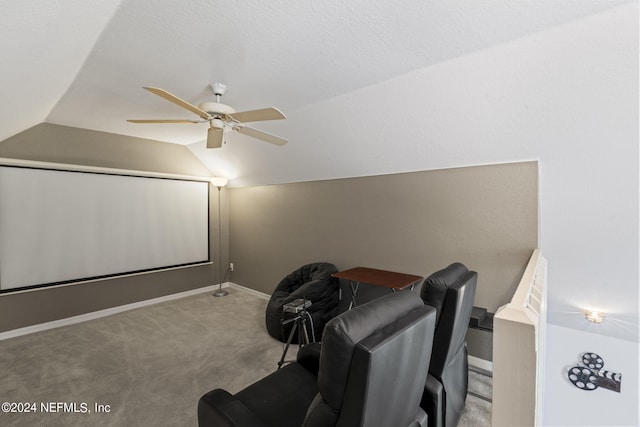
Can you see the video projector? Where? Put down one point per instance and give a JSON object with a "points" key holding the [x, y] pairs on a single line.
{"points": [[296, 306]]}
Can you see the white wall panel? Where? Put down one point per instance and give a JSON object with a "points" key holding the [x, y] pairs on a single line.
{"points": [[58, 226]]}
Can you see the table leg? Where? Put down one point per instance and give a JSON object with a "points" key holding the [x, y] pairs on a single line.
{"points": [[354, 290]]}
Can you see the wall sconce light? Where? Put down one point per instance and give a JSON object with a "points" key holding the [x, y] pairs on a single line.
{"points": [[219, 182], [594, 316]]}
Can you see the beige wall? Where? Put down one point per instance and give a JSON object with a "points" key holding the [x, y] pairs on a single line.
{"points": [[59, 144], [63, 144], [485, 217]]}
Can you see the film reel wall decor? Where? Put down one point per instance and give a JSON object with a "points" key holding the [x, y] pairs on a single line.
{"points": [[590, 375]]}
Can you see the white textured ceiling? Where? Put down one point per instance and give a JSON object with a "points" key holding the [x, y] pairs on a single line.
{"points": [[83, 63]]}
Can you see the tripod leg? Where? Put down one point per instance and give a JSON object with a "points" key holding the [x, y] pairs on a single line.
{"points": [[303, 337], [306, 334], [286, 348]]}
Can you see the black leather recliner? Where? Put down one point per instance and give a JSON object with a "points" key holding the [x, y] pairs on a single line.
{"points": [[451, 291], [371, 373], [312, 282]]}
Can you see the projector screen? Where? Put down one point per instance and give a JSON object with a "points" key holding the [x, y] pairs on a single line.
{"points": [[60, 226]]}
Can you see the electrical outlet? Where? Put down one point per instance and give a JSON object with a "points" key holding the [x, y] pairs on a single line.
{"points": [[230, 266]]}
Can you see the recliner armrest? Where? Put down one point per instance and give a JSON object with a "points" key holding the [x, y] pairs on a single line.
{"points": [[309, 357], [433, 401], [220, 409]]}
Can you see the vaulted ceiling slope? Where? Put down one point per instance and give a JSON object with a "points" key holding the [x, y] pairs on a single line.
{"points": [[83, 63], [44, 46]]}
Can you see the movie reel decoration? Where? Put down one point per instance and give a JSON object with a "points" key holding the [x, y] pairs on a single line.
{"points": [[589, 375]]}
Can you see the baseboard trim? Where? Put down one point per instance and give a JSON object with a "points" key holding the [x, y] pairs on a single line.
{"points": [[480, 364], [250, 291], [108, 312]]}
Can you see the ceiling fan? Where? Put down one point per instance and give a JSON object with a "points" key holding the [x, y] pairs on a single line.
{"points": [[220, 116]]}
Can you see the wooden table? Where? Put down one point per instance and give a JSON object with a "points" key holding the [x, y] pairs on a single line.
{"points": [[388, 279]]}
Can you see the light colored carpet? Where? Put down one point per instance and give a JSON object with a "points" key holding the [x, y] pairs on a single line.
{"points": [[477, 411], [149, 365]]}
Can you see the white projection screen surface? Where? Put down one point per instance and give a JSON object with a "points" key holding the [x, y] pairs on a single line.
{"points": [[64, 226]]}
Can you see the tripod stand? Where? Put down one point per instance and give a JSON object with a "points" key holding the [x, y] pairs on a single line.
{"points": [[299, 325]]}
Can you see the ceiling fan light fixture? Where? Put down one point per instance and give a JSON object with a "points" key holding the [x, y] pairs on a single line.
{"points": [[217, 124]]}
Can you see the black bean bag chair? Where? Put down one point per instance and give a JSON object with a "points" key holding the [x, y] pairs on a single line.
{"points": [[312, 282]]}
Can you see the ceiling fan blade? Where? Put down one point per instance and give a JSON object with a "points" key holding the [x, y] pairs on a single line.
{"points": [[214, 138], [267, 137], [262, 114], [163, 121], [180, 102]]}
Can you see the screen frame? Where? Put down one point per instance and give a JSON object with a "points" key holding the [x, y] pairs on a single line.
{"points": [[71, 168]]}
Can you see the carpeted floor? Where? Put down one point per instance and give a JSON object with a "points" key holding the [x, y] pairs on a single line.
{"points": [[149, 366], [477, 411]]}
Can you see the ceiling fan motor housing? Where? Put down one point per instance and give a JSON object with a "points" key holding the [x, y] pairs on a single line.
{"points": [[216, 108]]}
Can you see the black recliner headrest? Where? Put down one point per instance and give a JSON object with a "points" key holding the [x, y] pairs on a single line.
{"points": [[434, 288], [342, 334]]}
